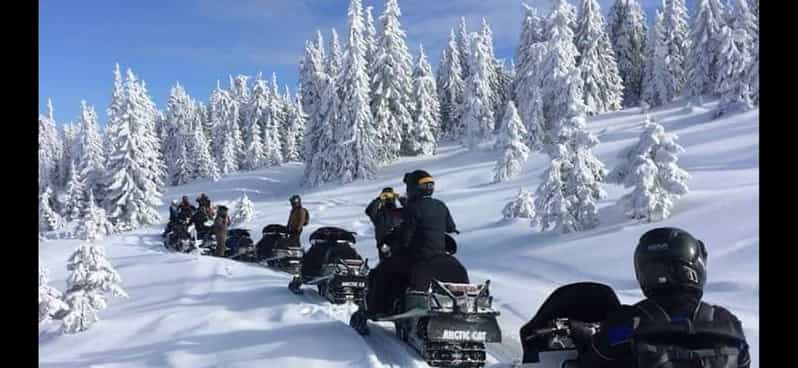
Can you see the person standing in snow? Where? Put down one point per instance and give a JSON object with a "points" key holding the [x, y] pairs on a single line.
{"points": [[297, 219], [672, 327], [173, 209], [385, 215], [219, 228]]}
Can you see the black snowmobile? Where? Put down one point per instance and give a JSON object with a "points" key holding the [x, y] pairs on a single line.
{"points": [[239, 245], [277, 252], [341, 275], [564, 324], [182, 236], [205, 237], [448, 324]]}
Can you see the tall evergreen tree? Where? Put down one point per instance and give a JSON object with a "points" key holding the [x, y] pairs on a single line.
{"points": [[626, 27], [734, 62], [478, 114], [49, 149], [426, 120], [464, 49], [179, 116], [370, 37], [391, 87], [514, 152], [659, 84], [356, 133], [312, 79], [676, 34], [205, 165], [335, 57], [450, 89], [72, 194], [132, 179], [321, 167], [702, 61], [603, 88]]}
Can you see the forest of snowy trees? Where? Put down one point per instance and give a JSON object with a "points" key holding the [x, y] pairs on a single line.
{"points": [[363, 100]]}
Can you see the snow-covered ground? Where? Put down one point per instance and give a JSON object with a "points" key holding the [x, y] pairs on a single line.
{"points": [[188, 311]]}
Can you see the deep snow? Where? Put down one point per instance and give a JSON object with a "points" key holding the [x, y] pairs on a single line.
{"points": [[189, 311]]}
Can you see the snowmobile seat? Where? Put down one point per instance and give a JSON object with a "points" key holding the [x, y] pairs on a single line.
{"points": [[582, 303], [444, 268], [334, 234], [275, 229]]}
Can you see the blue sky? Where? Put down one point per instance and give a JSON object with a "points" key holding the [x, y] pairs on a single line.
{"points": [[198, 42]]}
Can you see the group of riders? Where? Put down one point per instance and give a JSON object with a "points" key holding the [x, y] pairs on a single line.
{"points": [[414, 248]]}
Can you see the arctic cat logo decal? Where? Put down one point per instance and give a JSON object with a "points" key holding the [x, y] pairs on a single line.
{"points": [[353, 284], [464, 335]]}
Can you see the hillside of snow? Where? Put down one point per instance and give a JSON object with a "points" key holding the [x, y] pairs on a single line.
{"points": [[190, 311]]}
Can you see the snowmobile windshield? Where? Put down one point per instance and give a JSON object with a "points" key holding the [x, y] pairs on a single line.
{"points": [[584, 301]]}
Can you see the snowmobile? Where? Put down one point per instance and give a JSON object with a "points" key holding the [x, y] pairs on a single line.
{"points": [[181, 237], [564, 324], [205, 237], [448, 324], [277, 252], [341, 276], [239, 245]]}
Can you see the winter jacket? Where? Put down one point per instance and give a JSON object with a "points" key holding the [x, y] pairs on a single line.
{"points": [[384, 218], [425, 221], [612, 346], [220, 225], [298, 218]]}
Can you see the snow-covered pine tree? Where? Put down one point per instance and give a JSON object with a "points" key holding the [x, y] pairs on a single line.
{"points": [[179, 115], [495, 76], [478, 115], [93, 224], [49, 149], [224, 113], [659, 85], [426, 118], [288, 133], [522, 206], [154, 159], [272, 145], [391, 88], [556, 71], [450, 90], [115, 110], [72, 194], [626, 27], [676, 35], [566, 199], [702, 60], [92, 277], [294, 123], [335, 57], [229, 160], [322, 166], [532, 49], [753, 73], [603, 88], [279, 120], [566, 9], [204, 163], [370, 37], [49, 220], [50, 303], [464, 49], [70, 136], [299, 122], [649, 166], [244, 211], [91, 164], [514, 152], [356, 151], [254, 150], [132, 180], [734, 62], [312, 79]]}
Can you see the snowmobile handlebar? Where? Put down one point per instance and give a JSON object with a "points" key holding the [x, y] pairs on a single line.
{"points": [[565, 326]]}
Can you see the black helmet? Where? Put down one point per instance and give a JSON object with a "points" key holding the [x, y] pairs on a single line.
{"points": [[419, 183], [670, 258], [295, 200]]}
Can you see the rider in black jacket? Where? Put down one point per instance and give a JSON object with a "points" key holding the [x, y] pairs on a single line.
{"points": [[672, 327]]}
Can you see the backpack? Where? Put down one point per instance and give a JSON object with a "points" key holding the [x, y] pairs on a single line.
{"points": [[662, 341]]}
